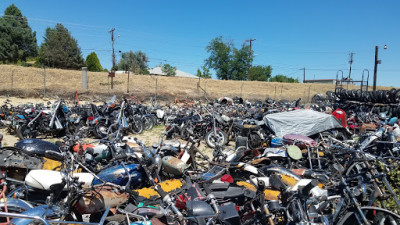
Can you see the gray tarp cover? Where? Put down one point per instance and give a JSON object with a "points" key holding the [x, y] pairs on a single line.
{"points": [[304, 122]]}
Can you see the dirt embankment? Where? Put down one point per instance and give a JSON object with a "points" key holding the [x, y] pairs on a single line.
{"points": [[30, 82]]}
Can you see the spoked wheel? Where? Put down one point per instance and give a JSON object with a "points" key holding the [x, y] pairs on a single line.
{"points": [[148, 123], [255, 140], [212, 138], [136, 126], [374, 215], [101, 129], [24, 132]]}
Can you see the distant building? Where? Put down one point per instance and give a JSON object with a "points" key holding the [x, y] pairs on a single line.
{"points": [[178, 73], [321, 81]]}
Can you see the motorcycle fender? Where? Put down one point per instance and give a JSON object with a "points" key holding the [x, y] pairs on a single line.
{"points": [[15, 205], [43, 210], [99, 199]]}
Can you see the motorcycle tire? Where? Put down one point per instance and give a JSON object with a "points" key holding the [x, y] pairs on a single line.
{"points": [[23, 132], [392, 95], [136, 126], [211, 138], [397, 96], [101, 129], [147, 123], [154, 118], [374, 215], [255, 140]]}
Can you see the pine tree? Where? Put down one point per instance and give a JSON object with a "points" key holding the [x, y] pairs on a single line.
{"points": [[17, 40], [60, 49]]}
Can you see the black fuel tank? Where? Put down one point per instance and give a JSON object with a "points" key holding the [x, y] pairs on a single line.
{"points": [[36, 146]]}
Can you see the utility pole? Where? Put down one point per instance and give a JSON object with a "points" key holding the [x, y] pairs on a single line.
{"points": [[350, 62], [113, 55], [304, 73], [376, 67], [248, 72], [377, 61]]}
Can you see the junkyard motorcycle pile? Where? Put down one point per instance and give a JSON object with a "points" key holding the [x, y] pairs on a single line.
{"points": [[286, 166]]}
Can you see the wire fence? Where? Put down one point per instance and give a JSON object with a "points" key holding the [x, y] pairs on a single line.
{"points": [[45, 82]]}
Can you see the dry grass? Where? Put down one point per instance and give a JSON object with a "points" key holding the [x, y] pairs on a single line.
{"points": [[28, 82]]}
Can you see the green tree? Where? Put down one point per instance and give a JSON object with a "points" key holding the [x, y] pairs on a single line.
{"points": [[60, 49], [260, 73], [240, 63], [228, 62], [134, 61], [17, 40], [205, 74], [283, 79], [93, 63], [168, 70]]}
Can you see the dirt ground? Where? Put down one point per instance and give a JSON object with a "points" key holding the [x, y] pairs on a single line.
{"points": [[149, 137]]}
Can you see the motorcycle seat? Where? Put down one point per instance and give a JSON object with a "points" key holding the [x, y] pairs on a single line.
{"points": [[46, 179], [231, 192]]}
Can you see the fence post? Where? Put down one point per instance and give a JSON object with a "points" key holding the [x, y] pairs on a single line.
{"points": [[12, 81], [84, 78], [108, 85], [281, 90], [127, 86], [156, 88], [44, 82]]}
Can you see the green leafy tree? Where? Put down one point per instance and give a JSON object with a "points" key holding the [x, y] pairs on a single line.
{"points": [[228, 62], [93, 63], [240, 63], [283, 79], [220, 57], [17, 40], [60, 49], [260, 73], [168, 70], [205, 73], [134, 61]]}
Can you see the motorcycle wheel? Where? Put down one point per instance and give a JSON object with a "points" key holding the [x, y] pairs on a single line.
{"points": [[136, 126], [101, 129], [255, 140], [24, 132], [220, 138], [148, 123], [374, 215]]}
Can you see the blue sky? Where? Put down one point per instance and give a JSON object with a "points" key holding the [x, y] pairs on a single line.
{"points": [[315, 34]]}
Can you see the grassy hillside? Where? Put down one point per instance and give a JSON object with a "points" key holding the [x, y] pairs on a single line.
{"points": [[28, 82]]}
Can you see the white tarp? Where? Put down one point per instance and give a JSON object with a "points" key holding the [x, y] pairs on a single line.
{"points": [[304, 122]]}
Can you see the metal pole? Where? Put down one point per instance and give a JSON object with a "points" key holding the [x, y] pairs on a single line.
{"points": [[156, 88], [127, 86], [375, 67], [12, 80], [44, 82], [248, 72]]}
